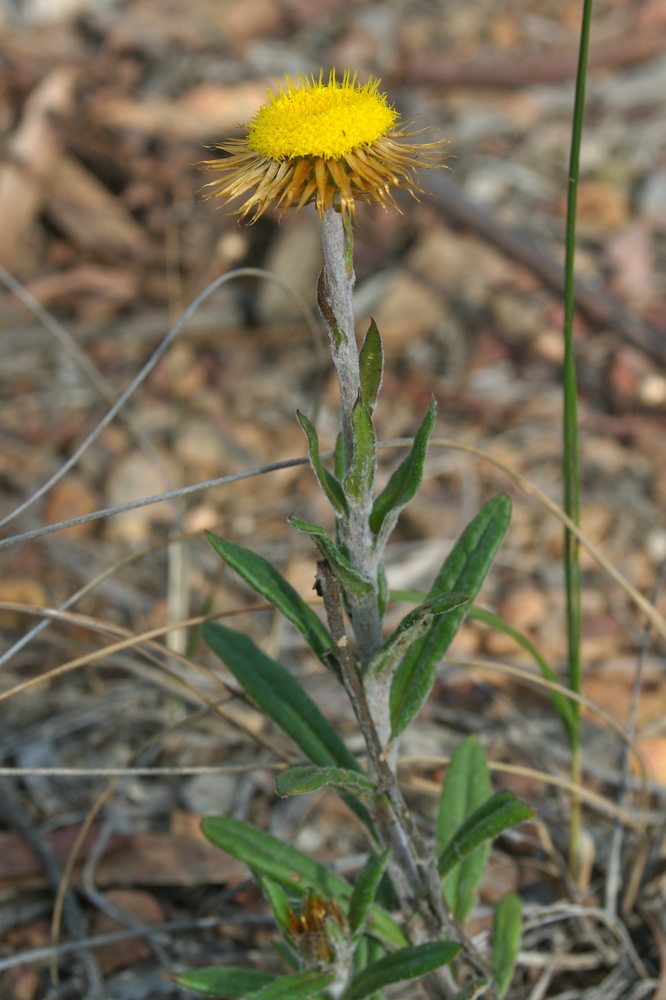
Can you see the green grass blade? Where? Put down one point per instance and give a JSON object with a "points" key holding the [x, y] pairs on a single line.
{"points": [[571, 463]]}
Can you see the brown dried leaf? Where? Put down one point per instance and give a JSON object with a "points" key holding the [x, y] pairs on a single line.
{"points": [[32, 154], [71, 498], [164, 859], [141, 906], [91, 217], [203, 113]]}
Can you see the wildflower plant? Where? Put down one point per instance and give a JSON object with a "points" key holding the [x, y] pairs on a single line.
{"points": [[332, 143]]}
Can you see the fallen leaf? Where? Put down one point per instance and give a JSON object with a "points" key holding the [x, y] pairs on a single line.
{"points": [[28, 161], [140, 906], [70, 498]]}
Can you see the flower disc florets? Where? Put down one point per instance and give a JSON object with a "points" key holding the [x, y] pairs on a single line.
{"points": [[331, 143]]}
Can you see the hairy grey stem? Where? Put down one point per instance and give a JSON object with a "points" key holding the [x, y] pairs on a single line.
{"points": [[423, 910], [335, 302], [412, 867]]}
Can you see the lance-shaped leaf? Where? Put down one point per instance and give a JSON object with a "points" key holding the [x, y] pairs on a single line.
{"points": [[290, 868], [339, 457], [297, 986], [371, 366], [400, 966], [404, 482], [413, 625], [268, 583], [304, 779], [507, 931], [360, 476], [368, 950], [498, 813], [466, 786], [279, 695], [365, 891], [477, 614], [463, 571], [278, 901], [330, 485], [382, 584], [271, 857], [228, 982], [352, 582]]}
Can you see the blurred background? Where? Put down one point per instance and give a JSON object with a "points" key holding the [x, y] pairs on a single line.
{"points": [[106, 108]]}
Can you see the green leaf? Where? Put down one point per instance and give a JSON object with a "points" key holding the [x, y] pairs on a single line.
{"points": [[303, 779], [329, 484], [228, 982], [414, 624], [477, 614], [466, 786], [371, 366], [507, 930], [498, 813], [382, 584], [279, 695], [272, 858], [287, 954], [297, 986], [564, 707], [289, 867], [352, 582], [404, 482], [365, 891], [463, 571], [277, 899], [339, 457], [399, 966], [266, 581], [360, 476]]}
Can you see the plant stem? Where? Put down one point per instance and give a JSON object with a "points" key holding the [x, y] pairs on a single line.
{"points": [[412, 868], [335, 301], [571, 469]]}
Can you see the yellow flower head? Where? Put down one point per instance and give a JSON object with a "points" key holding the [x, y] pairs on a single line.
{"points": [[331, 143]]}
